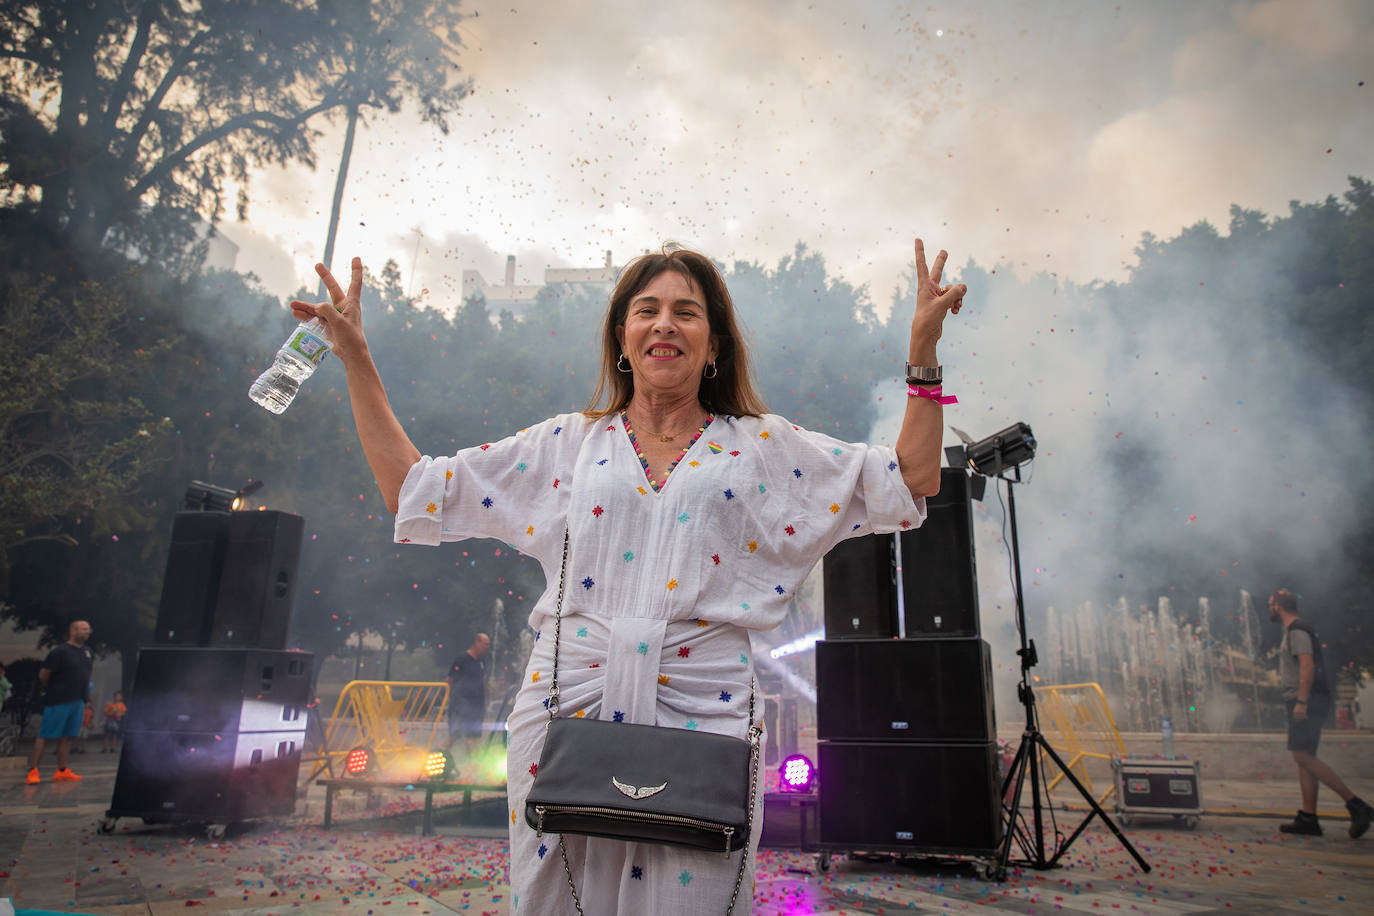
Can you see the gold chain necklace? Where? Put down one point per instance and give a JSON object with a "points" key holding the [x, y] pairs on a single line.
{"points": [[657, 435]]}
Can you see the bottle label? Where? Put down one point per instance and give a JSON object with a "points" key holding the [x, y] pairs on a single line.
{"points": [[312, 346]]}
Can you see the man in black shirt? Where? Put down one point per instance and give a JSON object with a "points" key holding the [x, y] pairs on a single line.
{"points": [[467, 693], [66, 678]]}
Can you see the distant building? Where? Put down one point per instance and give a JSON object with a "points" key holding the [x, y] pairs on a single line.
{"points": [[518, 298]]}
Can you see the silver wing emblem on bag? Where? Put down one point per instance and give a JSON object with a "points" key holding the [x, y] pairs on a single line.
{"points": [[637, 792]]}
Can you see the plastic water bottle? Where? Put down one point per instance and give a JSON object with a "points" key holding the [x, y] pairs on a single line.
{"points": [[1166, 733], [303, 351]]}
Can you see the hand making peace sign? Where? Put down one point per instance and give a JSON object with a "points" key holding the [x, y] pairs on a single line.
{"points": [[342, 317]]}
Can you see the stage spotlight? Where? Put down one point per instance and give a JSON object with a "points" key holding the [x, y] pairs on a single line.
{"points": [[206, 497], [438, 765], [798, 774], [359, 762], [999, 452]]}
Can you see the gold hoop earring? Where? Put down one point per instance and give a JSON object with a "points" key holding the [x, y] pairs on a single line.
{"points": [[712, 366], [620, 367]]}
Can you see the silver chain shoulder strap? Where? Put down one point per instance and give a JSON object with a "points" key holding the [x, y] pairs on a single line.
{"points": [[755, 734]]}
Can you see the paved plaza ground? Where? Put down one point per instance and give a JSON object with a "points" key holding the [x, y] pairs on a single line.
{"points": [[374, 862]]}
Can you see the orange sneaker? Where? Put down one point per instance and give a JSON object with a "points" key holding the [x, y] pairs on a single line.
{"points": [[65, 775], [33, 778]]}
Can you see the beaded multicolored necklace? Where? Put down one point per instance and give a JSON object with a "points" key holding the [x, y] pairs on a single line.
{"points": [[644, 461]]}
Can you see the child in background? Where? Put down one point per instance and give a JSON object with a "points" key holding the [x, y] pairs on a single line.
{"points": [[114, 718]]}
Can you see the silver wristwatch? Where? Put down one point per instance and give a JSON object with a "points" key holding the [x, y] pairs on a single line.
{"points": [[924, 375]]}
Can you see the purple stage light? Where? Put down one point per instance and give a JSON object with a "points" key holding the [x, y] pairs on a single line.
{"points": [[798, 774]]}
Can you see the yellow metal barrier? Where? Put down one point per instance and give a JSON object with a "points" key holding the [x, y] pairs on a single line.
{"points": [[1085, 729], [396, 720]]}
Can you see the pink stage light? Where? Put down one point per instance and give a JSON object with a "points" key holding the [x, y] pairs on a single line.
{"points": [[798, 774]]}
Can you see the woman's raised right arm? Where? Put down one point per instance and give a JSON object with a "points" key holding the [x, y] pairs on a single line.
{"points": [[388, 449]]}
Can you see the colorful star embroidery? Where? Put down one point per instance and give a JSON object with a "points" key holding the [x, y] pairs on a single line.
{"points": [[581, 632], [683, 517], [642, 491], [555, 483], [779, 589], [534, 769], [684, 651], [557, 430], [642, 648], [725, 696], [892, 465], [448, 475], [629, 555], [764, 434], [672, 584], [743, 659], [534, 679], [580, 714], [837, 451], [744, 605], [663, 679], [906, 524], [729, 494], [602, 462], [486, 502], [762, 488], [529, 530], [693, 463], [753, 545], [715, 558], [617, 716], [542, 850], [431, 508], [734, 454], [636, 873], [834, 508], [522, 467], [702, 623], [588, 582], [685, 877], [790, 530], [796, 472], [484, 446], [691, 724], [598, 511]]}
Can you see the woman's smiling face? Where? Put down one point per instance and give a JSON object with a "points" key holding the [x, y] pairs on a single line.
{"points": [[667, 336]]}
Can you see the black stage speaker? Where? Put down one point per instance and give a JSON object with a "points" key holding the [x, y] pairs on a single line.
{"points": [[938, 798], [190, 586], [936, 689], [213, 734], [207, 776], [259, 580], [230, 580], [220, 690], [939, 576], [860, 588], [789, 821]]}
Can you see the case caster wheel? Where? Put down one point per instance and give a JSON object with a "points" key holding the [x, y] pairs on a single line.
{"points": [[1189, 821], [215, 831], [991, 870], [823, 861], [107, 825]]}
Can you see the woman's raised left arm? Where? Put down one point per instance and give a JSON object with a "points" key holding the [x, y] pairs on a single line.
{"points": [[922, 432]]}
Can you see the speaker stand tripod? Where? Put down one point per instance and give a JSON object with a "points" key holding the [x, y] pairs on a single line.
{"points": [[1030, 754]]}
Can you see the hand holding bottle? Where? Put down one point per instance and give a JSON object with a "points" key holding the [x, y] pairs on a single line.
{"points": [[342, 316]]}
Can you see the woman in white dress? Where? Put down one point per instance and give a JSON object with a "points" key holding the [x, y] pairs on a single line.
{"points": [[693, 516]]}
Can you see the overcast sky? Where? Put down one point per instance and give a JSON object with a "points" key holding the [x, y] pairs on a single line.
{"points": [[1047, 135]]}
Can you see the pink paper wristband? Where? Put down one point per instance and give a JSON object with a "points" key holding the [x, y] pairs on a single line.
{"points": [[931, 394]]}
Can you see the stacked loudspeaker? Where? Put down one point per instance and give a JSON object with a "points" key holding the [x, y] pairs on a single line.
{"points": [[217, 718], [904, 710]]}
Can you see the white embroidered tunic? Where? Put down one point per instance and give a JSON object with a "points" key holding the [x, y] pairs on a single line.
{"points": [[662, 586]]}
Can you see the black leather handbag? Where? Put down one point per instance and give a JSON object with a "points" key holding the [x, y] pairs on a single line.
{"points": [[642, 783]]}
